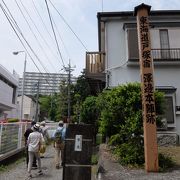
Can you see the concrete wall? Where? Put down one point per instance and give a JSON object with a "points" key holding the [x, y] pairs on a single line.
{"points": [[6, 90], [6, 94], [29, 107]]}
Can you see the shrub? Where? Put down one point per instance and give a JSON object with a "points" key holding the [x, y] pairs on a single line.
{"points": [[94, 159], [130, 153], [11, 120], [165, 162], [121, 120]]}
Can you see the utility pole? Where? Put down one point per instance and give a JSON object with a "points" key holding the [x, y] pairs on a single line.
{"points": [[37, 100], [69, 69]]}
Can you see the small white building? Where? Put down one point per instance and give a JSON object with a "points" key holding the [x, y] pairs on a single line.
{"points": [[117, 60], [29, 107]]}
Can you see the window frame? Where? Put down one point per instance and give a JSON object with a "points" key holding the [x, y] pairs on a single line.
{"points": [[169, 91], [165, 53], [172, 95]]}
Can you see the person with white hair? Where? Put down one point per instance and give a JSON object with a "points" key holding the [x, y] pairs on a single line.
{"points": [[34, 142]]}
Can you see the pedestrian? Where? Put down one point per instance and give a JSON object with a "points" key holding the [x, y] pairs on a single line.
{"points": [[26, 135], [59, 138], [34, 142], [44, 131]]}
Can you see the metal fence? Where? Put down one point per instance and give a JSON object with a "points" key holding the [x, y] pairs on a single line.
{"points": [[11, 136]]}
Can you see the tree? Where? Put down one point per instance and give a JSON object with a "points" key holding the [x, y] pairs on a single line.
{"points": [[81, 91], [121, 120], [44, 107], [53, 107], [89, 113]]}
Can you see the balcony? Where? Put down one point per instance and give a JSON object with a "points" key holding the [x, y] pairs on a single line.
{"points": [[95, 65], [159, 56], [166, 54]]}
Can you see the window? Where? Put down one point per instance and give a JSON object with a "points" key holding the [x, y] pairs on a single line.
{"points": [[133, 51], [164, 42], [26, 116], [169, 109], [170, 105]]}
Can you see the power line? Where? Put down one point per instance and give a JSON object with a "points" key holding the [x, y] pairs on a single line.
{"points": [[68, 26], [54, 33], [12, 21], [44, 25], [20, 32], [61, 38], [33, 32]]}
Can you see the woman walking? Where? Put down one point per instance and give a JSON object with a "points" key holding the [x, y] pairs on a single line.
{"points": [[34, 142]]}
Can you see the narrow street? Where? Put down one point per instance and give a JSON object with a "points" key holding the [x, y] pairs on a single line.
{"points": [[19, 171]]}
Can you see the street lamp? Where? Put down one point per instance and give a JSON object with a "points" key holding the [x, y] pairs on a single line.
{"points": [[22, 98]]}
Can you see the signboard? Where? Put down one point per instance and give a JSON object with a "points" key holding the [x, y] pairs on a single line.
{"points": [[78, 152], [147, 88]]}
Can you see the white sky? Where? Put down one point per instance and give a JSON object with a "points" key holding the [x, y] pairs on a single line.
{"points": [[81, 15]]}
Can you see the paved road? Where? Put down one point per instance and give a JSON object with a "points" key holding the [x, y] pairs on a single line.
{"points": [[19, 171]]}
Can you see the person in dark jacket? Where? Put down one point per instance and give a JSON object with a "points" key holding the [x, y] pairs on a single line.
{"points": [[26, 135]]}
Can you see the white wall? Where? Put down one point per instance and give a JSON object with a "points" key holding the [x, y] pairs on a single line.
{"points": [[6, 91], [6, 94], [29, 107], [115, 44], [117, 60], [174, 37]]}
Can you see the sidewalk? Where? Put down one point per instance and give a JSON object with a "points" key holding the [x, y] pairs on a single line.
{"points": [[19, 171], [112, 170]]}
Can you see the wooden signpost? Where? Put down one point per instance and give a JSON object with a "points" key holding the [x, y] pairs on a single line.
{"points": [[147, 88]]}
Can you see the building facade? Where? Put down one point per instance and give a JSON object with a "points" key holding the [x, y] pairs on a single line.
{"points": [[47, 83], [118, 56], [29, 107], [8, 94]]}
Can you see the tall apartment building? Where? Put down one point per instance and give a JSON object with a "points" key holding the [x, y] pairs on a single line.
{"points": [[48, 82]]}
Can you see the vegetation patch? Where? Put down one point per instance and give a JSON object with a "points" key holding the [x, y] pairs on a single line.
{"points": [[94, 159], [3, 168]]}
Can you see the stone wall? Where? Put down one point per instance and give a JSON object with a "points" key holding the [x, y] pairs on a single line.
{"points": [[167, 139]]}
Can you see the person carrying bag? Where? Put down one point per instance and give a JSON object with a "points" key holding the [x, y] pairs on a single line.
{"points": [[58, 143]]}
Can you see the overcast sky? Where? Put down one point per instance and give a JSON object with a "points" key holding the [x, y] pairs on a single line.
{"points": [[80, 16]]}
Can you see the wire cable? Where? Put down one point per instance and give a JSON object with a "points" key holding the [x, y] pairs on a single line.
{"points": [[54, 33], [63, 43], [12, 21], [68, 25], [45, 54], [44, 25]]}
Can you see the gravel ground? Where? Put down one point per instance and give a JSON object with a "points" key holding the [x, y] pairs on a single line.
{"points": [[114, 171], [19, 171]]}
